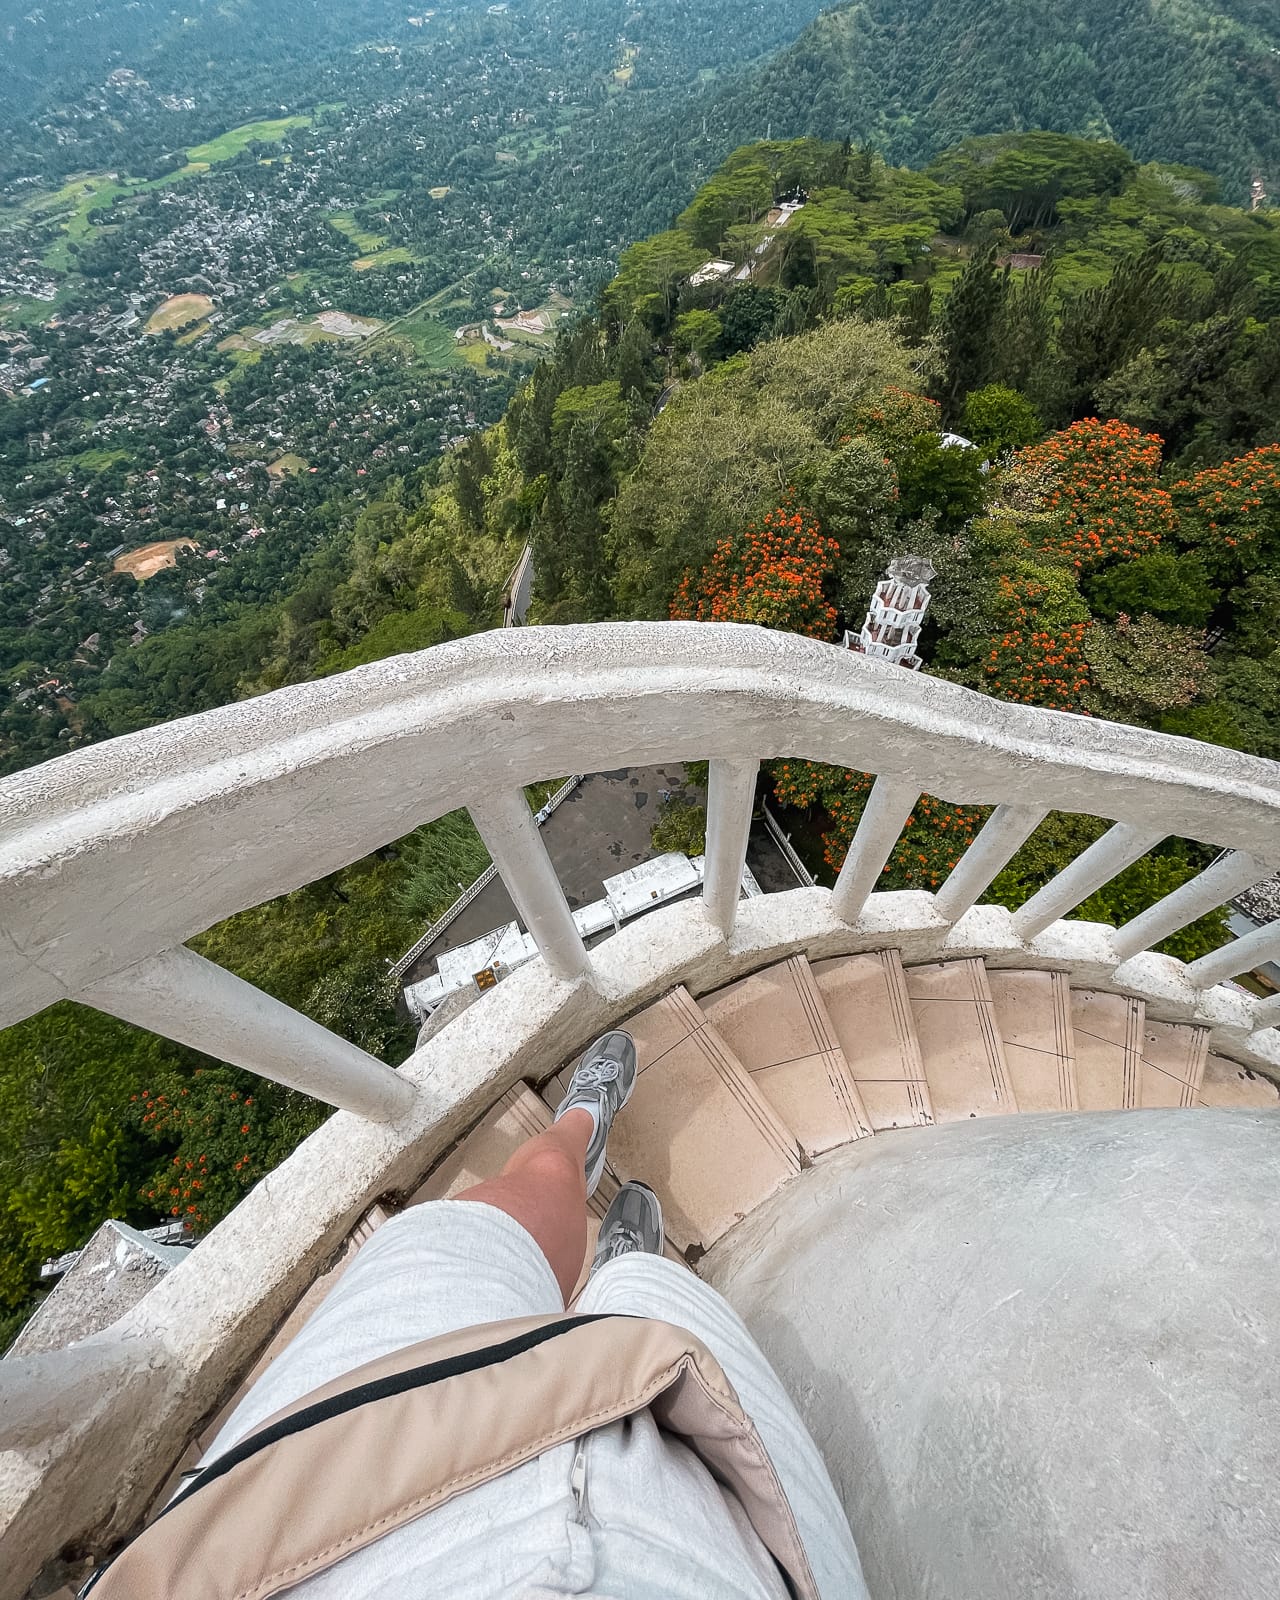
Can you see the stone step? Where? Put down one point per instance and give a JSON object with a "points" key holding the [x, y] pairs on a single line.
{"points": [[1173, 1059], [960, 1043], [1229, 1085], [482, 1153], [697, 1129], [1033, 1013], [1108, 1039], [777, 1026], [866, 1001]]}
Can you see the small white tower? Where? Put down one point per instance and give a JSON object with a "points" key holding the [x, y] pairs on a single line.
{"points": [[892, 629]]}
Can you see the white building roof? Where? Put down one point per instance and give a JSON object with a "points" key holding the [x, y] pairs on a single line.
{"points": [[711, 272], [504, 947], [650, 884], [596, 918]]}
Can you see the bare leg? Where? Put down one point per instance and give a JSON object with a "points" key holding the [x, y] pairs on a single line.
{"points": [[544, 1187]]}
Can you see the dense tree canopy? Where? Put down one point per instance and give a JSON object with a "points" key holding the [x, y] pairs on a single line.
{"points": [[1173, 83]]}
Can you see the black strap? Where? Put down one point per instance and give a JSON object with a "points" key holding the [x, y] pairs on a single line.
{"points": [[364, 1394]]}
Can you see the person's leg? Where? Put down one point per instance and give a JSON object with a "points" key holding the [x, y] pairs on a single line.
{"points": [[543, 1187], [512, 1246], [646, 1285]]}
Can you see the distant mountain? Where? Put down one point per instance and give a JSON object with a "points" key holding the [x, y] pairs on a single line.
{"points": [[61, 44], [1191, 81]]}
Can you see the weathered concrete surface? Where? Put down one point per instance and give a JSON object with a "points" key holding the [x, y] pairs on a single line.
{"points": [[112, 854], [85, 1476], [111, 1274], [1040, 1352]]}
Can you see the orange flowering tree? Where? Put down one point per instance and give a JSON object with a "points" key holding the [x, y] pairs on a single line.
{"points": [[219, 1131], [775, 574], [1101, 479], [1231, 514], [1036, 658], [935, 837]]}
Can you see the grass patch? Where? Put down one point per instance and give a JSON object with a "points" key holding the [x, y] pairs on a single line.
{"points": [[287, 466], [227, 146], [193, 169], [241, 357], [96, 460], [76, 199], [441, 296], [365, 242], [21, 311], [395, 256], [432, 342]]}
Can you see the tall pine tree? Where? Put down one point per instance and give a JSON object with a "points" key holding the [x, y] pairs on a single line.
{"points": [[967, 327]]}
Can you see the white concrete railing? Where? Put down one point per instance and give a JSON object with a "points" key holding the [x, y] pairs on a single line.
{"points": [[111, 857]]}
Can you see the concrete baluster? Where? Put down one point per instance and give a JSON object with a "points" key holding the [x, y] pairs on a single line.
{"points": [[1240, 955], [731, 796], [1267, 1014], [1227, 876], [1007, 829], [515, 847], [188, 999], [882, 822], [1117, 849]]}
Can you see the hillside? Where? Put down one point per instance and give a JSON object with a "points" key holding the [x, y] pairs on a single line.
{"points": [[1170, 80], [755, 446], [1129, 293]]}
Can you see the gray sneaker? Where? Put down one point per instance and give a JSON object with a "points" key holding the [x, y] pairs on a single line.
{"points": [[601, 1083], [632, 1222]]}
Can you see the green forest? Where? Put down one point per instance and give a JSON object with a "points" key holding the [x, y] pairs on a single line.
{"points": [[755, 449], [1189, 83]]}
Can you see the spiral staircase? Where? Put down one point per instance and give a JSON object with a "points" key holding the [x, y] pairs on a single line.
{"points": [[969, 1173], [740, 1091]]}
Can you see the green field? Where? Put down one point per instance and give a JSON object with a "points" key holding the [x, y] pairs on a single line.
{"points": [[395, 256], [365, 242], [22, 312], [88, 191], [96, 460], [227, 146], [433, 342], [450, 295], [73, 202]]}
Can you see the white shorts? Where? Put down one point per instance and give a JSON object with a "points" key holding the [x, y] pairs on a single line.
{"points": [[650, 1522]]}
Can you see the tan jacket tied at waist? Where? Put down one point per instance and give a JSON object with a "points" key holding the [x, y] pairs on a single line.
{"points": [[393, 1439]]}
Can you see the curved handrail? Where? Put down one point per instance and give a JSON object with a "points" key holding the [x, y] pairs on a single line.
{"points": [[116, 852]]}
